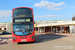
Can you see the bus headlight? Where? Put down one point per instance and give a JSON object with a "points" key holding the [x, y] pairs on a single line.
{"points": [[14, 38], [32, 37]]}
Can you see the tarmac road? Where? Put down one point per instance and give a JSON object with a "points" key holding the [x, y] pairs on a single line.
{"points": [[43, 42]]}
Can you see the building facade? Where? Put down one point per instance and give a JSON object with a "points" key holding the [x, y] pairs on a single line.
{"points": [[55, 26], [5, 26], [48, 26]]}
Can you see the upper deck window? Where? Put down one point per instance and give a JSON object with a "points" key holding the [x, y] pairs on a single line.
{"points": [[22, 12]]}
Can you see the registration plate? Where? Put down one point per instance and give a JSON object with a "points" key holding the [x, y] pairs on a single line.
{"points": [[23, 40]]}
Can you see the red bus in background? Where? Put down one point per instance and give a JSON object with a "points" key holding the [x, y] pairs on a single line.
{"points": [[23, 25]]}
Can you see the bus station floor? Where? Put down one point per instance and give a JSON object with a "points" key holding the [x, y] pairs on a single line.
{"points": [[43, 41]]}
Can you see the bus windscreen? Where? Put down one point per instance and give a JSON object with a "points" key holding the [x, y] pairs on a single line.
{"points": [[22, 12], [23, 29]]}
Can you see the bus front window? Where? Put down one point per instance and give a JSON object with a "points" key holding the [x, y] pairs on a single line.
{"points": [[25, 29], [22, 12]]}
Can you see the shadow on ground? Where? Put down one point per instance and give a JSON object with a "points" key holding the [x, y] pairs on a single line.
{"points": [[4, 40], [45, 37], [3, 43]]}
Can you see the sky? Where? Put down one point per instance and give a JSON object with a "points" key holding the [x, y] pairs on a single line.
{"points": [[42, 9]]}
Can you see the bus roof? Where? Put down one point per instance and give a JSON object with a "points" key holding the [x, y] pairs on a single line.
{"points": [[22, 7]]}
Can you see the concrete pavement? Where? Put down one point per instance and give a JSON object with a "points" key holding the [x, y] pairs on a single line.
{"points": [[43, 42]]}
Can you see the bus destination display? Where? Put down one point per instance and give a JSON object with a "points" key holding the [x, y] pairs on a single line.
{"points": [[22, 20]]}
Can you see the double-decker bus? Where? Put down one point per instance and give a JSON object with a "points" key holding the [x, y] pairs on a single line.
{"points": [[23, 25]]}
